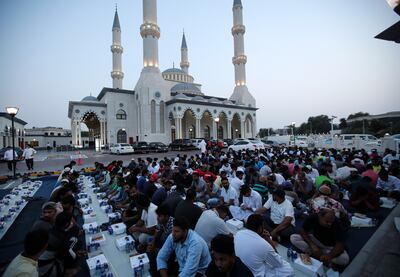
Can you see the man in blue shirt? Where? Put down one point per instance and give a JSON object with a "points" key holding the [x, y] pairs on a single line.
{"points": [[190, 249]]}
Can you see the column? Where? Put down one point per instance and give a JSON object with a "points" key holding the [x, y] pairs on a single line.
{"points": [[229, 129], [79, 135], [214, 129], [242, 129], [198, 127], [157, 118]]}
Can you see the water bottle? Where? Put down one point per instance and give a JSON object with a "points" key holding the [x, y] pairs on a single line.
{"points": [[90, 229], [289, 253], [110, 230], [294, 255], [98, 265]]}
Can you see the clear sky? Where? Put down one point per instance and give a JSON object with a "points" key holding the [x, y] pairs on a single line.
{"points": [[305, 57]]}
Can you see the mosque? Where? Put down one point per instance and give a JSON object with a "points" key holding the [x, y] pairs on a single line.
{"points": [[166, 105]]}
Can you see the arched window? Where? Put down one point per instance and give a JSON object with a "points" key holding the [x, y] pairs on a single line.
{"points": [[220, 132], [153, 116], [121, 115], [121, 136], [162, 117], [192, 132], [207, 132]]}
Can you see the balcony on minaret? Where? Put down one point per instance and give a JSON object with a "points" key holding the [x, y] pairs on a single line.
{"points": [[241, 59], [117, 74], [150, 29], [238, 29], [150, 64], [116, 48]]}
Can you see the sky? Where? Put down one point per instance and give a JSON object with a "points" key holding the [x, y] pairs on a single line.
{"points": [[304, 57]]}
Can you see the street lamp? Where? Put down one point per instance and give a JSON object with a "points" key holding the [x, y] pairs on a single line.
{"points": [[12, 111], [236, 132], [216, 121], [332, 118], [294, 138]]}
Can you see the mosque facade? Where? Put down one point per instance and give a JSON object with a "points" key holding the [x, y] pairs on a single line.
{"points": [[165, 105]]}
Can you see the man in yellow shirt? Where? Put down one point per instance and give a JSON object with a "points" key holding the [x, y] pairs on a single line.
{"points": [[25, 264]]}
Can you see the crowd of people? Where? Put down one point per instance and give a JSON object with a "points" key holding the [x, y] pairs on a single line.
{"points": [[177, 208]]}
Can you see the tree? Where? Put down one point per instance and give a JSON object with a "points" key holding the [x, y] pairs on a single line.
{"points": [[343, 123], [359, 114]]}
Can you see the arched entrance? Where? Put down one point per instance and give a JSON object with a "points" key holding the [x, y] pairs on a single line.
{"points": [[248, 126], [236, 128], [206, 122], [188, 124], [88, 137], [122, 137]]}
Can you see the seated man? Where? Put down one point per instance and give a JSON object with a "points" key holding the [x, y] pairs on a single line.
{"points": [[187, 209], [254, 247], [145, 228], [365, 198], [281, 221], [46, 221], [251, 202], [225, 263], [228, 194], [322, 236], [190, 249], [388, 185], [211, 223]]}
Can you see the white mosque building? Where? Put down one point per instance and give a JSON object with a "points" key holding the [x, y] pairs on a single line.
{"points": [[167, 105]]}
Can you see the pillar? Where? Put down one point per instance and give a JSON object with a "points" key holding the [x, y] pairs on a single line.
{"points": [[198, 127], [229, 129]]}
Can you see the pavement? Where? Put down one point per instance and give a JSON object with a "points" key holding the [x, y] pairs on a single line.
{"points": [[49, 161]]}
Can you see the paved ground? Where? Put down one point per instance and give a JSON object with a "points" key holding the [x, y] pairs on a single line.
{"points": [[48, 161]]}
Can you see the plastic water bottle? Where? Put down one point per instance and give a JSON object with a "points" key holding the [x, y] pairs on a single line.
{"points": [[294, 255], [289, 253], [98, 265], [110, 230]]}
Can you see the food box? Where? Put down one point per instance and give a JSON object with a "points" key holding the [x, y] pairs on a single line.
{"points": [[100, 195], [123, 241], [87, 210], [83, 201], [140, 259], [234, 224], [98, 238], [83, 195], [315, 269], [119, 228], [387, 202], [107, 209], [113, 217], [91, 228], [361, 221], [89, 218], [95, 261]]}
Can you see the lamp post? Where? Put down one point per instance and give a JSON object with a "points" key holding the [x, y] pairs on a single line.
{"points": [[293, 134], [12, 111], [216, 121], [236, 133], [332, 118]]}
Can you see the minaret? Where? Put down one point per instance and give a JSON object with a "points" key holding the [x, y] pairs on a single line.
{"points": [[240, 94], [184, 55], [150, 33], [116, 74]]}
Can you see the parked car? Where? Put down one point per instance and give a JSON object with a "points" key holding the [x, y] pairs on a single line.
{"points": [[258, 143], [228, 142], [242, 145], [182, 144], [158, 147], [3, 151], [141, 147], [121, 148], [271, 143]]}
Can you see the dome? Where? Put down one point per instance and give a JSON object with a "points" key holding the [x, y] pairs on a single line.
{"points": [[186, 88], [227, 102], [213, 100], [180, 96], [174, 70], [90, 98], [198, 98]]}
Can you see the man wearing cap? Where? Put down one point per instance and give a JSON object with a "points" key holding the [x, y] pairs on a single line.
{"points": [[281, 221], [46, 221], [323, 200], [198, 185], [150, 187]]}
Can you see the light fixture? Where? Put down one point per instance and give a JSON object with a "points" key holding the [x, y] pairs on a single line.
{"points": [[12, 110], [236, 130], [216, 119]]}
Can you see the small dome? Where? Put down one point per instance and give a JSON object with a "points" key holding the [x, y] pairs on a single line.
{"points": [[181, 96], [213, 100], [198, 98], [186, 88], [90, 98], [227, 102], [174, 70]]}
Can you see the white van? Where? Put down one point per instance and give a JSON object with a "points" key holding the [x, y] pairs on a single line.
{"points": [[358, 140]]}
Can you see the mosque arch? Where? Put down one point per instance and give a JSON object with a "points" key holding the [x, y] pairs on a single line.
{"points": [[153, 115], [236, 131], [189, 123], [248, 126], [120, 115], [122, 136], [162, 117]]}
